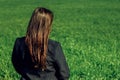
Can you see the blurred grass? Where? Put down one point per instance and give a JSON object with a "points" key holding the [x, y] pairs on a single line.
{"points": [[89, 31]]}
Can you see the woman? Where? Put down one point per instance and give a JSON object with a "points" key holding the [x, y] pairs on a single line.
{"points": [[35, 57]]}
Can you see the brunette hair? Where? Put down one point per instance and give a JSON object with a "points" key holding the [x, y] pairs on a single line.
{"points": [[37, 36]]}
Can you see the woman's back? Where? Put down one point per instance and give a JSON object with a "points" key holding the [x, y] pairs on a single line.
{"points": [[57, 68]]}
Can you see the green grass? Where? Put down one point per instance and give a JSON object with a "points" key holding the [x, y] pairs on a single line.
{"points": [[89, 31]]}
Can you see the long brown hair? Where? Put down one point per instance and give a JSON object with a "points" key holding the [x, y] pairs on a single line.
{"points": [[37, 36]]}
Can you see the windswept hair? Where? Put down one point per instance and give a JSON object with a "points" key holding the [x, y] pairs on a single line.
{"points": [[37, 36]]}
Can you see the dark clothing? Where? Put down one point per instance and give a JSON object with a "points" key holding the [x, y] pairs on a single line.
{"points": [[57, 68]]}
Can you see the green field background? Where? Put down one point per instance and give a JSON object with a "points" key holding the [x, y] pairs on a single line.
{"points": [[88, 30]]}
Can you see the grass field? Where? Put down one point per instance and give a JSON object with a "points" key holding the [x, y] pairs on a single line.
{"points": [[89, 32]]}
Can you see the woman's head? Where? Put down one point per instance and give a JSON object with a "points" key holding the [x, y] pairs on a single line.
{"points": [[41, 20], [37, 35]]}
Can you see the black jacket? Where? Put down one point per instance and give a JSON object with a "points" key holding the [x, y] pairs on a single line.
{"points": [[57, 68]]}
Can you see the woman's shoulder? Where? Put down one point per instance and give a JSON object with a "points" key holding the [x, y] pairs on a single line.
{"points": [[53, 43], [20, 40]]}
